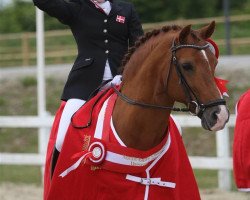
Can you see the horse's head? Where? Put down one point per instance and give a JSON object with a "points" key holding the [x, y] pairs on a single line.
{"points": [[175, 64], [192, 81]]}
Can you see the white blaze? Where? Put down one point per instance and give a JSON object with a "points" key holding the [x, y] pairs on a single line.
{"points": [[205, 57]]}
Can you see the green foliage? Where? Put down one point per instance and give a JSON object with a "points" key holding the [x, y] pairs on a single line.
{"points": [[20, 16], [163, 10], [17, 18]]}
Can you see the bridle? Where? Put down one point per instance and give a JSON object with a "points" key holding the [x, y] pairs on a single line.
{"points": [[198, 107]]}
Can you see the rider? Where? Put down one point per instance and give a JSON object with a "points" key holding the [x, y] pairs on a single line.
{"points": [[103, 30]]}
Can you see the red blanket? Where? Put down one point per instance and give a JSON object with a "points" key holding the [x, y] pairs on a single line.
{"points": [[241, 147], [115, 171]]}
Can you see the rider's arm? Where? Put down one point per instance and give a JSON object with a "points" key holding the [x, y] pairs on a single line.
{"points": [[64, 11], [135, 27]]}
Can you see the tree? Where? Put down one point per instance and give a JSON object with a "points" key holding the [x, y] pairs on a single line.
{"points": [[20, 17]]}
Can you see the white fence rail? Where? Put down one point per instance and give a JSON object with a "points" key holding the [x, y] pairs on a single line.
{"points": [[223, 161]]}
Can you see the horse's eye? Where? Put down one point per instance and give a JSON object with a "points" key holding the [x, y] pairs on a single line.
{"points": [[187, 66]]}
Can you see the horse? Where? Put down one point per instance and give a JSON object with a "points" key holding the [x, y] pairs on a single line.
{"points": [[135, 151]]}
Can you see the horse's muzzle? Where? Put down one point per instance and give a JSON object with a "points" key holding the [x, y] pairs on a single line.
{"points": [[215, 118]]}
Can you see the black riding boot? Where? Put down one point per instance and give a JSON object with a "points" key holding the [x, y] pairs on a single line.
{"points": [[54, 159]]}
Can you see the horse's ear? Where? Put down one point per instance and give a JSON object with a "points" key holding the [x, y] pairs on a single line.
{"points": [[207, 31], [184, 33]]}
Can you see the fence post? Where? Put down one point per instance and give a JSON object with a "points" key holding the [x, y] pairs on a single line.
{"points": [[223, 151], [43, 138], [41, 92]]}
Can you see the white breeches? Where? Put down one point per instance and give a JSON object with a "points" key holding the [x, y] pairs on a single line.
{"points": [[71, 106]]}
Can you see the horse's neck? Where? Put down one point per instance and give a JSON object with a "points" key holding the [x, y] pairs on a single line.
{"points": [[143, 81], [138, 127]]}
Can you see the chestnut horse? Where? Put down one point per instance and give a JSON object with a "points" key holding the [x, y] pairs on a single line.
{"points": [[174, 64], [142, 155]]}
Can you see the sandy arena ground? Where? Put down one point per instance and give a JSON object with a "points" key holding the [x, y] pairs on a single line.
{"points": [[31, 192]]}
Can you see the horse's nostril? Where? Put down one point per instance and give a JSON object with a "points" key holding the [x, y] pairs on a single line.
{"points": [[214, 115]]}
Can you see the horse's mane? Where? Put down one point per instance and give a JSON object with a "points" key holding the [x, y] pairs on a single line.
{"points": [[144, 39]]}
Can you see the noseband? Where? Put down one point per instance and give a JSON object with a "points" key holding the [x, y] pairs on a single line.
{"points": [[199, 107]]}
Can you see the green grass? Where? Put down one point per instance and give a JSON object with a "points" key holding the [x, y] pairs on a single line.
{"points": [[20, 174], [199, 142], [29, 81], [18, 140], [206, 179]]}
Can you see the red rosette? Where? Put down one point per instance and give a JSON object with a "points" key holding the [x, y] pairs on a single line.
{"points": [[98, 151]]}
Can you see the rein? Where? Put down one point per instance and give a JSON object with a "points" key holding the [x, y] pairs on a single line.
{"points": [[199, 107], [146, 105]]}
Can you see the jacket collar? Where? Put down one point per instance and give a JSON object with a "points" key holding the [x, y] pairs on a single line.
{"points": [[115, 8]]}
